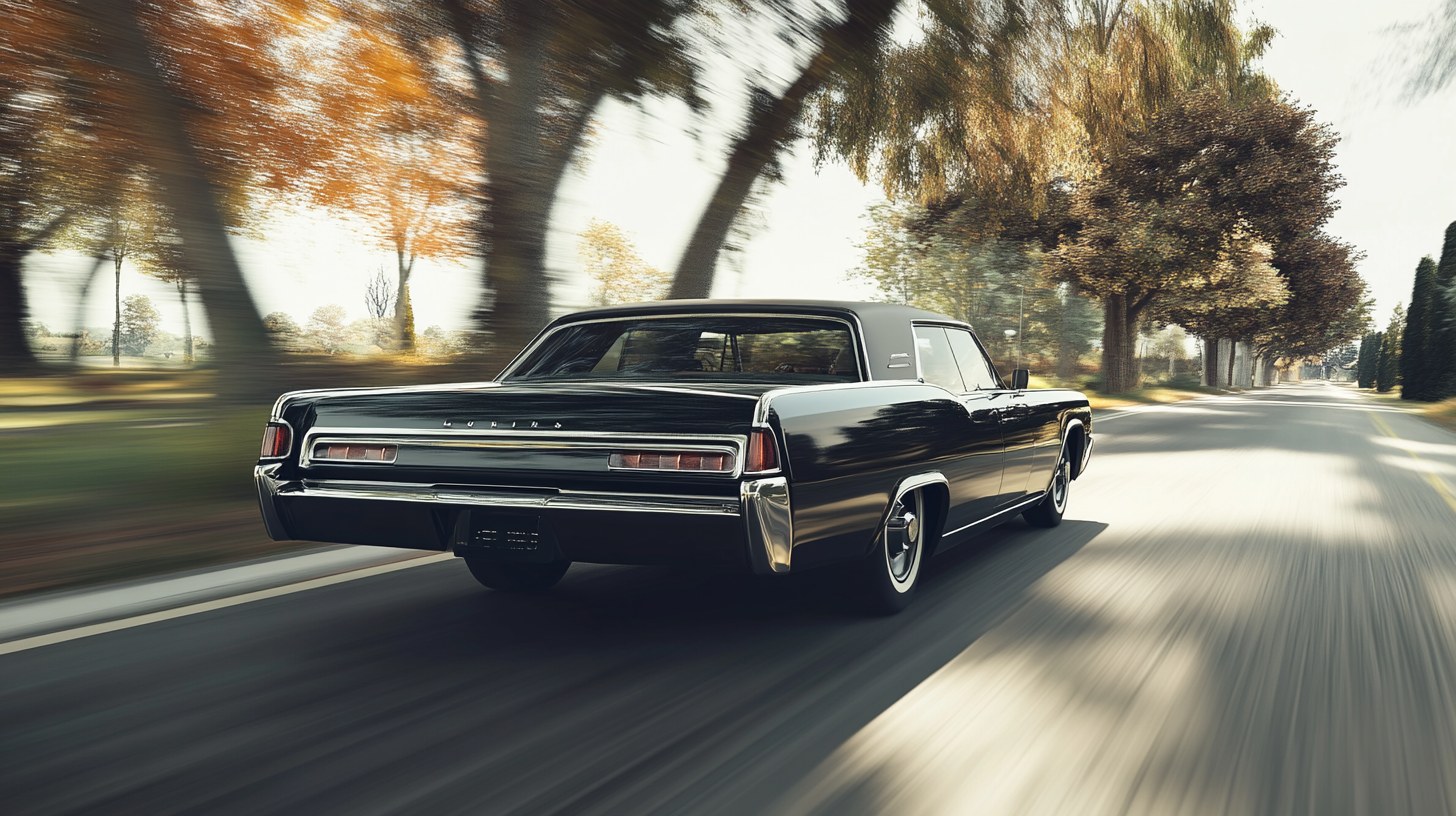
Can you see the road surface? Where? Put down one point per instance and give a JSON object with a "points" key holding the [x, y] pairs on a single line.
{"points": [[1250, 609]]}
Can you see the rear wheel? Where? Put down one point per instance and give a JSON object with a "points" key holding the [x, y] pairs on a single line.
{"points": [[517, 576], [1048, 512], [891, 573]]}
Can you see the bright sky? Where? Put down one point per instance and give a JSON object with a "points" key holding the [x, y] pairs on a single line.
{"points": [[648, 176]]}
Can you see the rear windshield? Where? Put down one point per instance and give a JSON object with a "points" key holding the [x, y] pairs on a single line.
{"points": [[713, 348]]}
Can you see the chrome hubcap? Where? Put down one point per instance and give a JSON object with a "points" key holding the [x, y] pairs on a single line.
{"points": [[1059, 486], [902, 537]]}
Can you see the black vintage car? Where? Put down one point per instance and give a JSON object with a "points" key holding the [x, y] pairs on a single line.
{"points": [[762, 436]]}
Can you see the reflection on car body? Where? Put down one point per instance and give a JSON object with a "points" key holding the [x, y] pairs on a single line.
{"points": [[753, 435]]}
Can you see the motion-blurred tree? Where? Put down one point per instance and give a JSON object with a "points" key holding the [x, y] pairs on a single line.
{"points": [[1419, 367], [537, 70], [619, 272], [282, 330], [197, 86], [845, 42], [1369, 359], [1387, 368], [1443, 322], [379, 130]]}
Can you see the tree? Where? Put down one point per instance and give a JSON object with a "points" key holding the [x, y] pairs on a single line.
{"points": [[1369, 360], [1327, 305], [380, 133], [1419, 365], [140, 322], [1171, 343], [619, 272], [1181, 199], [1387, 368], [327, 327], [537, 69], [1443, 322], [379, 301], [845, 46], [283, 332], [209, 71]]}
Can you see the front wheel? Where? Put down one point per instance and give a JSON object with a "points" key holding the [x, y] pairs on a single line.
{"points": [[1048, 512], [891, 573], [517, 576]]}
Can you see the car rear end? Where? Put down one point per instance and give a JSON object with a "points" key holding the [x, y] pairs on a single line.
{"points": [[625, 474]]}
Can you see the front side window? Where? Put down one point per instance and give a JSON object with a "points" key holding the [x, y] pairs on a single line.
{"points": [[971, 361], [937, 362], [712, 347]]}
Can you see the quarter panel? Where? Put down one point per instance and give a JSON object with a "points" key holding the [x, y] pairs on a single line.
{"points": [[846, 450]]}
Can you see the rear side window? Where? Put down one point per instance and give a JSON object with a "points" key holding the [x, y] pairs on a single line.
{"points": [[937, 362], [975, 371], [711, 347]]}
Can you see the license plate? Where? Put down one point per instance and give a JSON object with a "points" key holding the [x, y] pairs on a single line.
{"points": [[502, 532]]}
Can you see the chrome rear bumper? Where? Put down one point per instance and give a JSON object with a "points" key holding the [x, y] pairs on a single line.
{"points": [[759, 520]]}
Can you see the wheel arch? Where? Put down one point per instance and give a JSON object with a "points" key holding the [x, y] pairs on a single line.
{"points": [[936, 489]]}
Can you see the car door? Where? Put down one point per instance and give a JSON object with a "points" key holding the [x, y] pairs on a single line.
{"points": [[974, 476], [1014, 410]]}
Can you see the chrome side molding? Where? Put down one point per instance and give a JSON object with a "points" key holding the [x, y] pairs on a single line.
{"points": [[770, 522]]}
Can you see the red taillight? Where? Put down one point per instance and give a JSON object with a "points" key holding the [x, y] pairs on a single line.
{"points": [[763, 452], [354, 452], [275, 441], [699, 461]]}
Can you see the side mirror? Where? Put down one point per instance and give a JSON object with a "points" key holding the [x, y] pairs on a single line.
{"points": [[1020, 379]]}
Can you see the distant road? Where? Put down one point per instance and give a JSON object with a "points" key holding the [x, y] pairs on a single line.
{"points": [[1250, 609]]}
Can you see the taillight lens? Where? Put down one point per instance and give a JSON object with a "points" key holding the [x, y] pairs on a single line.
{"points": [[276, 441], [699, 461], [763, 452], [354, 452]]}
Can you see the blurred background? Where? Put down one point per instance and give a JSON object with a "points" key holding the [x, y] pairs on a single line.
{"points": [[206, 204]]}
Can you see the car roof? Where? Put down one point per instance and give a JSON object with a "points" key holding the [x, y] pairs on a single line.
{"points": [[865, 310], [885, 327]]}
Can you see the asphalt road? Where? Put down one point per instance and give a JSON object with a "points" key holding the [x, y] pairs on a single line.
{"points": [[1250, 609]]}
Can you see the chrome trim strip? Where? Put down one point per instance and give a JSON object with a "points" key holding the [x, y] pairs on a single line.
{"points": [[485, 497], [996, 516], [769, 518], [672, 389], [267, 486], [282, 402], [544, 439], [919, 480], [852, 322]]}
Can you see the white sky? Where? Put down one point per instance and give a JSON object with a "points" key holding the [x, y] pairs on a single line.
{"points": [[645, 174]]}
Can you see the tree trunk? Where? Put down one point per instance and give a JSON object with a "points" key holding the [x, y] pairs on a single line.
{"points": [[1233, 356], [116, 262], [239, 338], [1118, 372], [186, 322], [1210, 362], [770, 128], [16, 356], [404, 322]]}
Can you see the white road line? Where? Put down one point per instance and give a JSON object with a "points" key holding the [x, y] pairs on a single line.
{"points": [[1241, 400], [36, 642]]}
